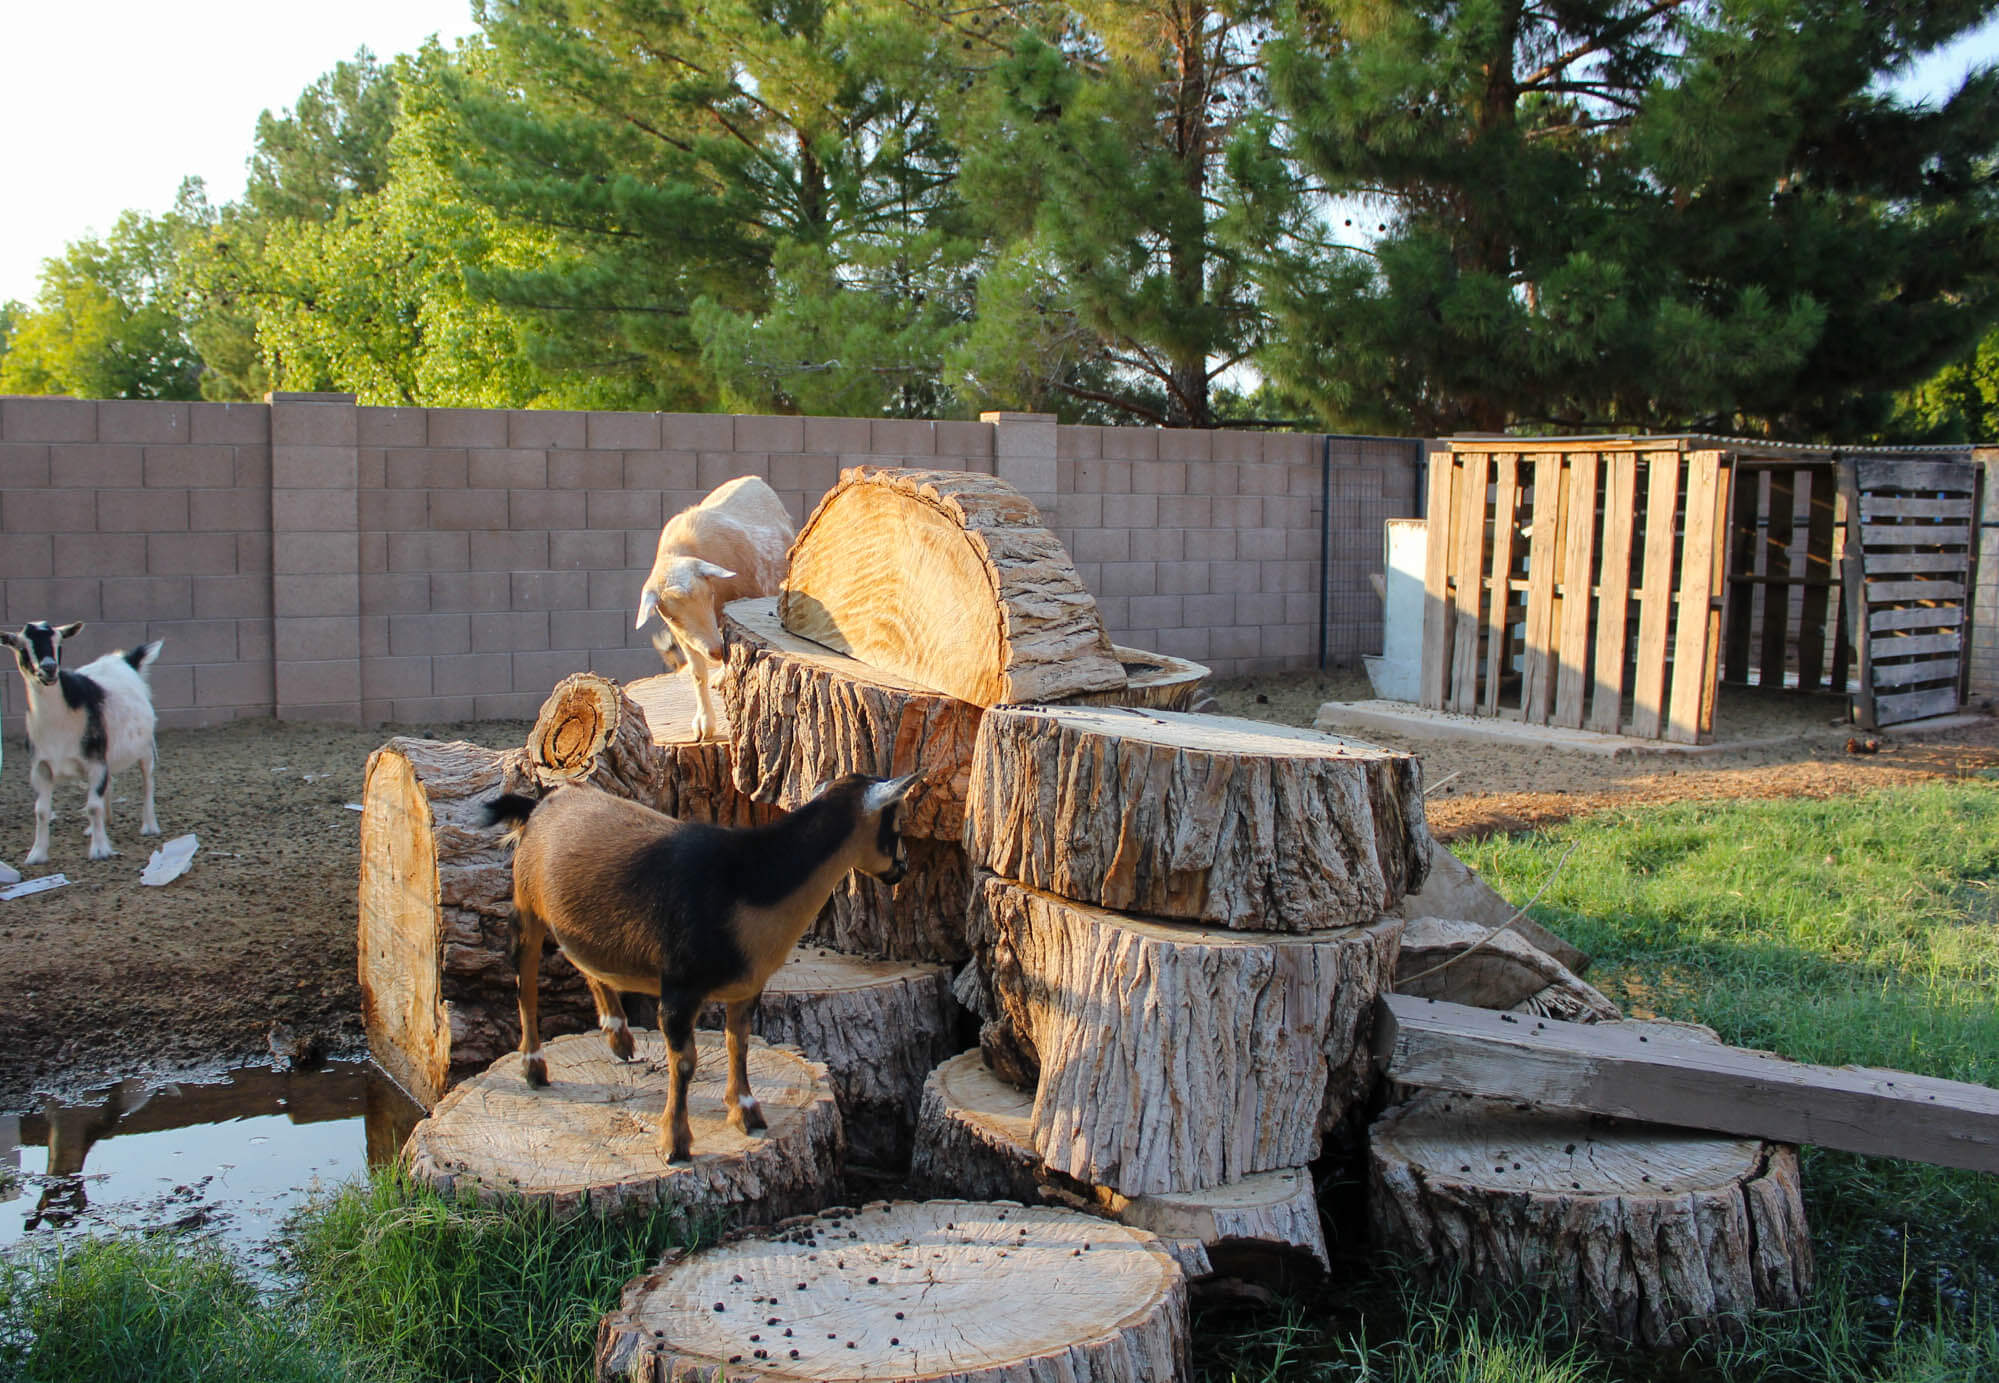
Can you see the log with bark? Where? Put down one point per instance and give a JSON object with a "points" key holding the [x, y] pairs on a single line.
{"points": [[948, 578], [945, 1291], [1153, 681], [1170, 1056], [879, 1027], [590, 1138], [975, 1139], [1451, 889], [919, 919], [1471, 963], [1652, 1236], [1231, 822]]}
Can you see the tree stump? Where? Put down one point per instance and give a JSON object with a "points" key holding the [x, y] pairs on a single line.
{"points": [[950, 579], [920, 919], [974, 1139], [436, 909], [879, 1027], [899, 1290], [590, 1138], [1488, 970], [1231, 822], [1647, 1235], [1174, 1057], [1153, 681]]}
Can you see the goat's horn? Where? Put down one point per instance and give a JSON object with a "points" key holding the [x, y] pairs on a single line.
{"points": [[880, 795], [645, 609]]}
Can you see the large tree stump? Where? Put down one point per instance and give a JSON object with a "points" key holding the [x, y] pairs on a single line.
{"points": [[944, 1291], [1208, 818], [920, 919], [436, 909], [590, 1138], [1173, 1057], [1153, 681], [879, 1027], [1648, 1235], [1469, 963], [975, 1139], [948, 578]]}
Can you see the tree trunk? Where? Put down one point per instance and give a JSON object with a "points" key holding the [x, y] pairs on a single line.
{"points": [[1173, 1057], [974, 1139], [1208, 818], [920, 919], [590, 1138], [1492, 970], [950, 579], [944, 1291], [1647, 1235]]}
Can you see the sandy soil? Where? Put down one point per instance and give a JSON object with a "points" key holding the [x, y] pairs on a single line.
{"points": [[107, 979]]}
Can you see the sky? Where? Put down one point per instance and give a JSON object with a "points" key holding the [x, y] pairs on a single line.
{"points": [[106, 107]]}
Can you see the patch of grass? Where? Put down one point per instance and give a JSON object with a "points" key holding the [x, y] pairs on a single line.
{"points": [[156, 1309], [427, 1287]]}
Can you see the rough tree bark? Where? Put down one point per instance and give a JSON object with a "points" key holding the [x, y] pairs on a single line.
{"points": [[944, 1291], [948, 578], [1208, 818], [638, 742]]}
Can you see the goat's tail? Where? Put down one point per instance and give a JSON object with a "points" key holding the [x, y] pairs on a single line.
{"points": [[143, 656], [514, 808]]}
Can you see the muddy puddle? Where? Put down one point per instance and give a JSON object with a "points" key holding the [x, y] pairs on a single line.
{"points": [[226, 1159]]}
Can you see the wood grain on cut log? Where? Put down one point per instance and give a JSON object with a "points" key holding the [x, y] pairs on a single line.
{"points": [[1650, 1235], [1175, 1057], [949, 578], [879, 1027], [436, 907], [1153, 681], [944, 1291], [806, 714], [1237, 823], [975, 1139], [1470, 963], [590, 1138]]}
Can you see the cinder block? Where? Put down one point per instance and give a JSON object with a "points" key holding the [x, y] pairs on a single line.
{"points": [[755, 432], [1293, 448], [1232, 445], [142, 511], [542, 428], [621, 509], [1302, 607], [253, 552], [622, 432], [1128, 443], [293, 596], [1158, 544], [472, 510], [432, 552], [392, 511], [27, 555], [901, 437], [1076, 443], [1095, 477], [395, 677], [587, 629], [697, 432], [1156, 611], [196, 641], [509, 551], [428, 634], [191, 554], [661, 470], [233, 684], [392, 427], [1102, 545], [616, 588], [839, 434], [229, 511], [1131, 511], [147, 597], [712, 468], [1214, 478], [1076, 512], [510, 631], [1236, 511], [471, 674], [641, 549], [587, 551], [374, 636], [550, 590], [206, 467], [540, 510], [1211, 544], [314, 638], [316, 690], [173, 691], [1297, 511], [1185, 444], [586, 470], [1288, 576], [1234, 641], [237, 597], [507, 468], [508, 705], [1208, 611], [1286, 641], [1260, 608], [229, 424], [539, 672], [310, 554], [1263, 478], [1302, 544], [314, 511], [315, 467], [297, 423], [398, 593], [434, 710], [968, 445], [1130, 578], [1302, 481], [48, 511], [253, 468], [48, 420], [432, 468], [1183, 643], [105, 635], [98, 465], [24, 465], [468, 427], [1183, 578], [1186, 511], [57, 600], [470, 591], [624, 664]]}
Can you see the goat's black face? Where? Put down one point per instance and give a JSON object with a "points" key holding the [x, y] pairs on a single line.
{"points": [[881, 804], [889, 847], [38, 648]]}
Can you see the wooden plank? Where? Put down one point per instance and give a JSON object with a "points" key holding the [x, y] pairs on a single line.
{"points": [[1777, 564], [1883, 592], [1468, 565], [1854, 599], [1800, 582], [1536, 668], [1909, 674], [1505, 525], [1879, 535], [1717, 572], [1572, 678], [1655, 603], [1971, 579], [1881, 473], [1917, 617], [1610, 1069], [1894, 710], [1876, 507], [1902, 645], [1741, 577], [1613, 606], [1436, 576], [1691, 646], [1818, 579], [1881, 563]]}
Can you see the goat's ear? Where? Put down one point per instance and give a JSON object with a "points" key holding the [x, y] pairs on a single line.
{"points": [[880, 796], [713, 572], [70, 631], [11, 639]]}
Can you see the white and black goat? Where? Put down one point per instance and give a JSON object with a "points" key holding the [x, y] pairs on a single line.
{"points": [[646, 904], [88, 724]]}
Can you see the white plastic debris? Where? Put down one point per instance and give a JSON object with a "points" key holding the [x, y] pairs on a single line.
{"points": [[9, 874], [356, 807], [41, 885], [171, 860]]}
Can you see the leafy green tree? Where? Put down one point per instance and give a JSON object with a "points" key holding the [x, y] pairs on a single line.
{"points": [[1960, 403], [1620, 213], [328, 149]]}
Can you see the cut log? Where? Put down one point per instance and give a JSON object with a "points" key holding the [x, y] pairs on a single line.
{"points": [[1468, 963], [1451, 889], [1648, 1235], [950, 579], [879, 1027], [436, 909], [920, 919], [974, 1139], [590, 1138], [1174, 1057], [1153, 681], [1232, 822], [638, 743], [899, 1290], [806, 714]]}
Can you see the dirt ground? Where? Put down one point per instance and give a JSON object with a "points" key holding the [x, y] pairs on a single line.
{"points": [[108, 979]]}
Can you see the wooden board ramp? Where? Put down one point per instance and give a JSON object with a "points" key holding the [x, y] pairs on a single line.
{"points": [[1235, 823], [589, 1140], [948, 578], [1127, 1025], [879, 1027], [1471, 963], [909, 1290], [1629, 1073], [975, 1139], [1651, 1236]]}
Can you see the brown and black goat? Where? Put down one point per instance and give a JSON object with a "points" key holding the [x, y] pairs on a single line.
{"points": [[645, 904]]}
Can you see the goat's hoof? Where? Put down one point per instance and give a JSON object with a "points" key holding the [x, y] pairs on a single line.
{"points": [[37, 857], [151, 830], [535, 1068], [619, 1040], [747, 1118], [102, 852], [681, 1152]]}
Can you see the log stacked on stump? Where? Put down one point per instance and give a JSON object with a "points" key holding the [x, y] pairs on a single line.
{"points": [[945, 1291], [1153, 681], [1470, 963]]}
